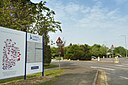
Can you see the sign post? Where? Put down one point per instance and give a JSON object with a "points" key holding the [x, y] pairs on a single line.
{"points": [[59, 44], [42, 55], [25, 57]]}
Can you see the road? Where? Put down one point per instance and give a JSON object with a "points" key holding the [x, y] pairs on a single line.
{"points": [[117, 74]]}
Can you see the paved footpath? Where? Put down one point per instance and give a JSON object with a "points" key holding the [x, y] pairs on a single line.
{"points": [[76, 76]]}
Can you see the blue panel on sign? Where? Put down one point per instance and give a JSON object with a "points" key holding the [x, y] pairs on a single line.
{"points": [[34, 67]]}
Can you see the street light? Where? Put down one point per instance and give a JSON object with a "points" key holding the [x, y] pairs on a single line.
{"points": [[125, 36]]}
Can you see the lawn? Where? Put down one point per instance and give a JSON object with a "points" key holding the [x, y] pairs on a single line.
{"points": [[36, 78]]}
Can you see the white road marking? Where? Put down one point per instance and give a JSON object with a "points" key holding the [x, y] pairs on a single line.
{"points": [[103, 68], [119, 65], [124, 65], [108, 73], [124, 77]]}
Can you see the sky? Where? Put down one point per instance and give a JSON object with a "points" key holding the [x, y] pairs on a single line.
{"points": [[91, 21]]}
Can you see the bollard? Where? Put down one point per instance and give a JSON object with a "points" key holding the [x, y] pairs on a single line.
{"points": [[116, 60], [98, 58]]}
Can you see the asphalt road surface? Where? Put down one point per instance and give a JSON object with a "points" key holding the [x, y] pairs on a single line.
{"points": [[117, 73], [74, 74]]}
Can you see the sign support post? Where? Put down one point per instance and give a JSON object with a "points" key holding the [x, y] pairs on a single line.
{"points": [[59, 44], [43, 55], [25, 57]]}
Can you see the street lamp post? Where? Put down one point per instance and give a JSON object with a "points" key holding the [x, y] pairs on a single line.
{"points": [[126, 45], [125, 36]]}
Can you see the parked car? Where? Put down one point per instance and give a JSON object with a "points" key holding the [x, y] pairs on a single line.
{"points": [[93, 57]]}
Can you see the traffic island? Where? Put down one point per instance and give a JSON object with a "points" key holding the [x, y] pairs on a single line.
{"points": [[101, 78]]}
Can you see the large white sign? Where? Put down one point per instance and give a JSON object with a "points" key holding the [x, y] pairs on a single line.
{"points": [[12, 53], [34, 53]]}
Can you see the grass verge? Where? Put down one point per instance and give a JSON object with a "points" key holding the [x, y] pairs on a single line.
{"points": [[45, 83], [47, 66], [52, 74], [49, 73]]}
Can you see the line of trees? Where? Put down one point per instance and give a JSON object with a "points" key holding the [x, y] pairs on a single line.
{"points": [[85, 52], [26, 16]]}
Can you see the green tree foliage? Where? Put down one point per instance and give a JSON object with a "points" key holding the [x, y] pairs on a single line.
{"points": [[26, 16], [120, 51], [44, 21], [54, 52], [85, 52], [75, 52], [16, 14], [103, 51], [95, 50], [98, 50], [47, 55]]}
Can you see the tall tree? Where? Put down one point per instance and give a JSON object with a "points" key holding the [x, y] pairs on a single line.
{"points": [[86, 50], [26, 16], [44, 21], [95, 50], [98, 50], [120, 51], [16, 14]]}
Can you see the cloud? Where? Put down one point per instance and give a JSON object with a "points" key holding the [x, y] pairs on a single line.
{"points": [[69, 10], [90, 21], [73, 8], [95, 16], [36, 1], [120, 2], [98, 17]]}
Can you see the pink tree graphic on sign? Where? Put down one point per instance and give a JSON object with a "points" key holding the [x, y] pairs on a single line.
{"points": [[11, 54]]}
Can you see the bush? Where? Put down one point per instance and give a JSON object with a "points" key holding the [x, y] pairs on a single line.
{"points": [[85, 58]]}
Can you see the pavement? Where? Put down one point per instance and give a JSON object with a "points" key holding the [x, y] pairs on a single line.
{"points": [[76, 76]]}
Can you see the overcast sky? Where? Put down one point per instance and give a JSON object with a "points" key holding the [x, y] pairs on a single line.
{"points": [[91, 21]]}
